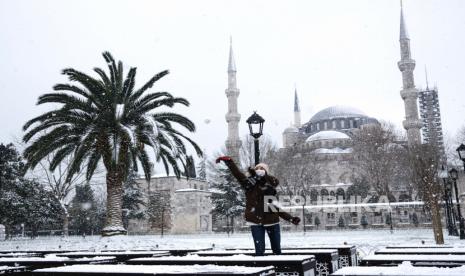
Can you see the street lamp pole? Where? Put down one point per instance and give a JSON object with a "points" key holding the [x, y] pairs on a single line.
{"points": [[454, 176], [451, 227], [255, 123]]}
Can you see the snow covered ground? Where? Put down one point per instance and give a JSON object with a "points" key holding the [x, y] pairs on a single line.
{"points": [[366, 241]]}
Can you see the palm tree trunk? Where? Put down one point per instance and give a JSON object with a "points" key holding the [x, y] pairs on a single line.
{"points": [[114, 219]]}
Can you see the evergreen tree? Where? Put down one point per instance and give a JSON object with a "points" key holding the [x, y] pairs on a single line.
{"points": [[228, 198], [132, 199], [202, 169], [317, 221], [38, 208], [364, 221], [83, 211], [341, 222], [388, 219], [23, 201], [415, 219]]}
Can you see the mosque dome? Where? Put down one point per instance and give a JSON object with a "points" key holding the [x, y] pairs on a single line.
{"points": [[327, 135], [337, 111], [291, 129], [337, 118]]}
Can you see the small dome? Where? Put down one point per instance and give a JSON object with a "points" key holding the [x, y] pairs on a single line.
{"points": [[337, 112], [327, 135], [291, 129]]}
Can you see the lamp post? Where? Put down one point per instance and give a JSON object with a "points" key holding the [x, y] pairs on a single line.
{"points": [[461, 152], [255, 122], [454, 176], [451, 227]]}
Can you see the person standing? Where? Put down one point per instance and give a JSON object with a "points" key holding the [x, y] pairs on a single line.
{"points": [[262, 216]]}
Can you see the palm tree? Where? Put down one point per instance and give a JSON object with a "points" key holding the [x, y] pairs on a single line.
{"points": [[106, 120]]}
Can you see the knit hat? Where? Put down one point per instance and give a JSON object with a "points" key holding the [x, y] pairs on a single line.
{"points": [[264, 166]]}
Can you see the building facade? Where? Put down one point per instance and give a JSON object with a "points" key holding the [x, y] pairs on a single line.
{"points": [[174, 206]]}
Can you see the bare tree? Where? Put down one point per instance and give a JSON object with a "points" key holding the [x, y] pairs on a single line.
{"points": [[55, 181], [247, 152], [377, 158], [296, 170], [424, 162]]}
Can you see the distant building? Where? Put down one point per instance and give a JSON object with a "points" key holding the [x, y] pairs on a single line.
{"points": [[174, 206]]}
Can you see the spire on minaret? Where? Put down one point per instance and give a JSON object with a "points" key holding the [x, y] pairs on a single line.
{"points": [[297, 121], [296, 101], [232, 63], [426, 76], [233, 142], [408, 93], [403, 26]]}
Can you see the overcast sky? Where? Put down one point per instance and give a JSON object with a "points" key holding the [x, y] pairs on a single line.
{"points": [[336, 53]]}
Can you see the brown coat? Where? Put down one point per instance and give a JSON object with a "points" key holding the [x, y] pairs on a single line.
{"points": [[254, 199]]}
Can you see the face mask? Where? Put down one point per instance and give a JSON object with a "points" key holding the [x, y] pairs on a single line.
{"points": [[260, 172]]}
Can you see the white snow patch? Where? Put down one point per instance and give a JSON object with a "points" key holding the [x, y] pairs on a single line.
{"points": [[405, 269], [154, 269]]}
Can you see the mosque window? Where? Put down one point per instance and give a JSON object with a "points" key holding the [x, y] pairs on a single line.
{"points": [[325, 126], [351, 124], [343, 124], [334, 124], [318, 126]]}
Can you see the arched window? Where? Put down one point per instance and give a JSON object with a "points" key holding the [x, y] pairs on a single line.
{"points": [[340, 193], [324, 192], [317, 126], [343, 124], [325, 125], [334, 124], [351, 123]]}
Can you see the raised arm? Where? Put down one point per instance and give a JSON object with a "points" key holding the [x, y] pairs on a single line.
{"points": [[235, 171]]}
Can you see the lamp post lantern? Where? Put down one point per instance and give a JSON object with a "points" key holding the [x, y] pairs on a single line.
{"points": [[454, 176], [255, 123], [450, 221]]}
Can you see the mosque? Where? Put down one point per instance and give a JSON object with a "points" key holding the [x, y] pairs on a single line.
{"points": [[324, 142]]}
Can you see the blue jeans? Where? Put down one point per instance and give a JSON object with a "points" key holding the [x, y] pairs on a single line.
{"points": [[258, 234]]}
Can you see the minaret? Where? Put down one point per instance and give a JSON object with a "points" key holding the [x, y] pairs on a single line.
{"points": [[297, 122], [408, 93], [233, 142]]}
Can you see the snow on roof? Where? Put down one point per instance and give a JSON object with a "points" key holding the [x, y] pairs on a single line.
{"points": [[333, 150], [327, 135], [405, 269], [154, 269]]}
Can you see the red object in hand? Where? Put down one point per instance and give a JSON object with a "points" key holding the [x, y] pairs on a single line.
{"points": [[223, 158], [295, 220]]}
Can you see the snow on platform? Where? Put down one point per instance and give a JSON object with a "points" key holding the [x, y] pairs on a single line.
{"points": [[154, 269], [227, 258], [405, 269], [416, 258]]}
